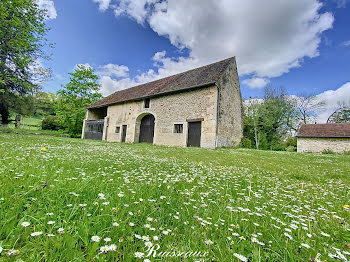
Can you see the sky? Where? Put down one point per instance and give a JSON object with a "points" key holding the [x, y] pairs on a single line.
{"points": [[300, 45]]}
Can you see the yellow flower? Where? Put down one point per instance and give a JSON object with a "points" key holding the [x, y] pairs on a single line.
{"points": [[346, 206], [43, 149]]}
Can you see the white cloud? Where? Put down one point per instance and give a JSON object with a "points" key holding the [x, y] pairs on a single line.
{"points": [[341, 3], [49, 7], [113, 70], [346, 43], [333, 99], [256, 82], [103, 4], [267, 37]]}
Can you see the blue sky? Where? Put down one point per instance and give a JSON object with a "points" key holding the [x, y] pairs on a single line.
{"points": [[301, 45]]}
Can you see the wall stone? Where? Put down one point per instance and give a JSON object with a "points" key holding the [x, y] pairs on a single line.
{"points": [[230, 122], [168, 110], [317, 145]]}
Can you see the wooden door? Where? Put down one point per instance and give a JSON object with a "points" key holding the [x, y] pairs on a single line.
{"points": [[194, 134], [147, 129], [124, 132]]}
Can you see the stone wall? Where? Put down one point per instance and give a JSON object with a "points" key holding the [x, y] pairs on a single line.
{"points": [[168, 110], [230, 122], [317, 145]]}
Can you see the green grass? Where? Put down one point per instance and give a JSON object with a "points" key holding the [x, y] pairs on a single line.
{"points": [[28, 123], [266, 206]]}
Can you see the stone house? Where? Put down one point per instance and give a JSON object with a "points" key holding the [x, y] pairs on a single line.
{"points": [[201, 107], [317, 138]]}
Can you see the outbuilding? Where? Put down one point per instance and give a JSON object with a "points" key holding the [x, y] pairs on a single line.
{"points": [[201, 107], [317, 138]]}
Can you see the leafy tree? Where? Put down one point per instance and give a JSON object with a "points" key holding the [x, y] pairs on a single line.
{"points": [[268, 121], [22, 38], [80, 92]]}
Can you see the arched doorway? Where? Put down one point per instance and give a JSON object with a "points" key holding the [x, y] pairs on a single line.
{"points": [[147, 129]]}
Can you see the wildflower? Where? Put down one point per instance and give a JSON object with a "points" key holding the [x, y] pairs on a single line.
{"points": [[165, 232], [36, 234], [51, 222], [112, 247], [115, 224], [1, 249], [104, 249], [107, 239], [49, 214], [131, 224], [289, 236], [209, 242], [43, 149], [347, 206], [155, 238], [95, 238], [60, 230], [148, 244], [147, 226], [105, 203], [50, 235], [145, 238], [12, 252], [139, 254], [149, 219], [325, 234], [240, 257], [305, 245], [25, 224], [147, 260]]}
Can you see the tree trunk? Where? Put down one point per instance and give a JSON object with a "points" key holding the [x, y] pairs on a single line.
{"points": [[4, 112]]}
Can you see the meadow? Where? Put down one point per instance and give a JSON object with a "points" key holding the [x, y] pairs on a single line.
{"points": [[64, 199]]}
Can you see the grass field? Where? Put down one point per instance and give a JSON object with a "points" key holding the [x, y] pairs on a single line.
{"points": [[77, 200]]}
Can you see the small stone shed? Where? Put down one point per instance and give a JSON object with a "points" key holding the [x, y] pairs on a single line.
{"points": [[317, 138], [201, 107]]}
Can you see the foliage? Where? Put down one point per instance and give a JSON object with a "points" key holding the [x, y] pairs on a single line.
{"points": [[245, 143], [43, 104], [268, 121], [341, 115], [22, 38], [80, 92], [50, 123], [264, 205]]}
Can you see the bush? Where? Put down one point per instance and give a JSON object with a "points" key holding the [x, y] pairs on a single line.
{"points": [[50, 123], [245, 143], [291, 149]]}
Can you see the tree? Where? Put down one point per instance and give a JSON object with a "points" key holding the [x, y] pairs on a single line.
{"points": [[268, 121], [341, 114], [22, 38], [307, 106], [81, 91]]}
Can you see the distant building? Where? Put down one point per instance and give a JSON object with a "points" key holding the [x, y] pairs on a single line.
{"points": [[201, 107], [317, 138]]}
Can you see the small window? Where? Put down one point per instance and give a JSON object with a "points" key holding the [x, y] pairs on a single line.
{"points": [[178, 128], [147, 102], [117, 129]]}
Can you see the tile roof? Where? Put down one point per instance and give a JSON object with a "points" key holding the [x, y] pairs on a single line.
{"points": [[325, 130], [199, 77]]}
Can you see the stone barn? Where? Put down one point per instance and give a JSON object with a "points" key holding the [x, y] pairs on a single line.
{"points": [[201, 107], [317, 138]]}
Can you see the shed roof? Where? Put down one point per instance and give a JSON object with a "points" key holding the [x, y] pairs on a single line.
{"points": [[199, 77], [341, 130]]}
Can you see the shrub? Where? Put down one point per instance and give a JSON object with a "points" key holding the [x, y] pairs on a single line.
{"points": [[291, 149], [245, 143], [50, 123]]}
